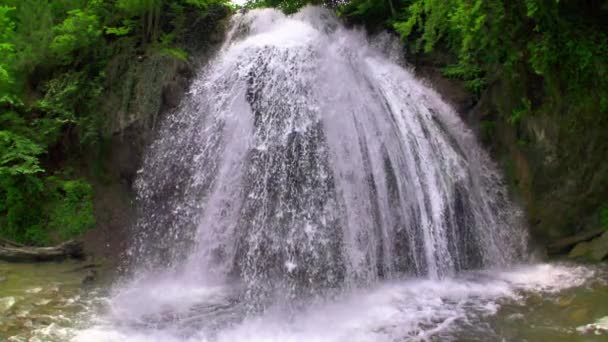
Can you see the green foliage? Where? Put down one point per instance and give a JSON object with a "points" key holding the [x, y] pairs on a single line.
{"points": [[165, 46], [201, 3], [71, 208], [7, 48], [119, 31], [71, 99], [564, 44], [20, 208], [137, 7], [78, 32], [18, 155], [53, 57], [604, 216], [34, 21], [36, 211], [369, 12], [149, 12], [472, 74], [522, 111], [287, 6]]}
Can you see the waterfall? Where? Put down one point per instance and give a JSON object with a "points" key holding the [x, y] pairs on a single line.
{"points": [[311, 188], [308, 164], [306, 158]]}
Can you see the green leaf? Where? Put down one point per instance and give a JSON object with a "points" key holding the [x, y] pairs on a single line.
{"points": [[18, 155]]}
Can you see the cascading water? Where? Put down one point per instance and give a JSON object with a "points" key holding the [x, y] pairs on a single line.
{"points": [[305, 157], [307, 163]]}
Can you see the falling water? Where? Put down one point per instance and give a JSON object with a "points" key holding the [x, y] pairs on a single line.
{"points": [[305, 157], [307, 161]]}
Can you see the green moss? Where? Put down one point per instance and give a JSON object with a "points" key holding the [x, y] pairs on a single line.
{"points": [[604, 216]]}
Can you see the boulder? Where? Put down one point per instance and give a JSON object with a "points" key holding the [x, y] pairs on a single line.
{"points": [[594, 250], [565, 244]]}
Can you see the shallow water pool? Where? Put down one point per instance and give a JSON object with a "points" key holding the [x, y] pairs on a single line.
{"points": [[544, 302]]}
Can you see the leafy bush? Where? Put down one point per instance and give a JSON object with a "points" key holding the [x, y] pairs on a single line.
{"points": [[18, 155], [78, 32], [71, 208], [7, 48], [52, 60]]}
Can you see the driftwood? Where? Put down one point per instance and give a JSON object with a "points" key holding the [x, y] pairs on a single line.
{"points": [[15, 253]]}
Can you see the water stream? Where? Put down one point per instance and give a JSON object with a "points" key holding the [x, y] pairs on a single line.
{"points": [[558, 302], [310, 188]]}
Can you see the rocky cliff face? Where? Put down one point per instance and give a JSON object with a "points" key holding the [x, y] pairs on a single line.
{"points": [[141, 87], [556, 166]]}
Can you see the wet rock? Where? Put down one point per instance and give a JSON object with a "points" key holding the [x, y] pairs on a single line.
{"points": [[565, 302], [451, 90], [33, 290], [90, 277], [579, 316], [600, 327], [534, 299], [594, 250], [6, 303], [563, 245], [580, 250], [516, 317], [174, 91], [85, 267]]}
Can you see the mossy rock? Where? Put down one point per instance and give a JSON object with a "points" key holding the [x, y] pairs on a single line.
{"points": [[595, 250]]}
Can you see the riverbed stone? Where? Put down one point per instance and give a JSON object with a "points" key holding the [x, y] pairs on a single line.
{"points": [[6, 303], [579, 316], [562, 245], [594, 250]]}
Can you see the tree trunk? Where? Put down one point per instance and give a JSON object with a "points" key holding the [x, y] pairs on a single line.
{"points": [[68, 249], [392, 7]]}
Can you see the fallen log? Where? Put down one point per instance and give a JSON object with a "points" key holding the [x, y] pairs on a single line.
{"points": [[68, 249], [565, 244], [6, 242]]}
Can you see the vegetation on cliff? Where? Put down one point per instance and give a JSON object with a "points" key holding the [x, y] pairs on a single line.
{"points": [[53, 61]]}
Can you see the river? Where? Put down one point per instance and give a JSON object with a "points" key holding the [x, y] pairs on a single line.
{"points": [[543, 302]]}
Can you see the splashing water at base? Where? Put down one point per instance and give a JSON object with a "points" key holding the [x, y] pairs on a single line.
{"points": [[44, 302], [528, 302], [311, 189]]}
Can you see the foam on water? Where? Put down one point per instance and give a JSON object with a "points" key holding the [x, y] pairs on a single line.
{"points": [[415, 309]]}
